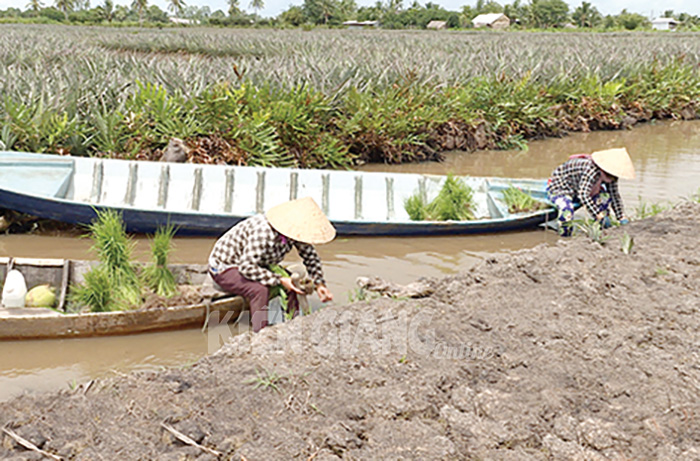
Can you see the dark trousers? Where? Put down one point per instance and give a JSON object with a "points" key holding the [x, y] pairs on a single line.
{"points": [[257, 294]]}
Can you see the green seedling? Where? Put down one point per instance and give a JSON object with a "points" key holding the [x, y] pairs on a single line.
{"points": [[519, 201], [157, 276], [114, 283], [267, 380], [648, 210], [695, 197], [454, 202], [591, 229], [360, 294], [626, 243]]}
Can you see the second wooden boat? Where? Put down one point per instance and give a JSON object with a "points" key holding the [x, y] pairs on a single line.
{"points": [[39, 323]]}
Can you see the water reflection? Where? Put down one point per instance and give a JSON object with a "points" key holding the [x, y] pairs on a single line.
{"points": [[665, 156]]}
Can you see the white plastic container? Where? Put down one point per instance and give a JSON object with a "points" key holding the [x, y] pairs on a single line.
{"points": [[14, 290]]}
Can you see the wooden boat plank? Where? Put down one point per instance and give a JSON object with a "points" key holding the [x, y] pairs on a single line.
{"points": [[42, 326]]}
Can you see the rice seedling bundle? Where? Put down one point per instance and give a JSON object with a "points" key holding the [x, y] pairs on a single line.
{"points": [[157, 275], [519, 201], [454, 202], [113, 284]]}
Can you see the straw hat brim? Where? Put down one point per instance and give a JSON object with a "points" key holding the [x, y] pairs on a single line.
{"points": [[616, 162], [301, 220]]}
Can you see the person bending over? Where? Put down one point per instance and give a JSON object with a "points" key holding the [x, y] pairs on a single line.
{"points": [[590, 180], [241, 259]]}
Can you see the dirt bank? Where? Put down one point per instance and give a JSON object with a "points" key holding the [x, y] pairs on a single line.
{"points": [[571, 351]]}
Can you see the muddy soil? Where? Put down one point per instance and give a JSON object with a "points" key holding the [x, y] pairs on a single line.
{"points": [[186, 295], [568, 351]]}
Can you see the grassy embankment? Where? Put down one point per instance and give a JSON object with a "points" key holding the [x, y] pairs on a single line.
{"points": [[330, 98]]}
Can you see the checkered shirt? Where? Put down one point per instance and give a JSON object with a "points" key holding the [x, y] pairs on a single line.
{"points": [[252, 246], [577, 178]]}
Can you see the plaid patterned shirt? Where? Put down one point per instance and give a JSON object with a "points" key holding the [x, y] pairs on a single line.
{"points": [[253, 245], [577, 178]]}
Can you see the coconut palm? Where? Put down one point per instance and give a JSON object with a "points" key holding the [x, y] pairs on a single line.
{"points": [[586, 15], [394, 6], [106, 11], [35, 5], [176, 6], [65, 6], [347, 8], [257, 5], [327, 9], [140, 6], [233, 8]]}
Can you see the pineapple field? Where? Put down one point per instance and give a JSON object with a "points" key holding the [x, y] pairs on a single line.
{"points": [[330, 98]]}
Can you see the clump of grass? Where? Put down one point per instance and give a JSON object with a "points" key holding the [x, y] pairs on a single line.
{"points": [[97, 292], [111, 243], [519, 201], [454, 202], [157, 275], [267, 380], [416, 207], [647, 210], [114, 283], [114, 249], [360, 294]]}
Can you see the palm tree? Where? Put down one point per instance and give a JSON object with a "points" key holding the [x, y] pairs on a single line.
{"points": [[176, 6], [35, 5], [140, 6], [65, 6], [327, 10], [586, 15], [107, 10], [395, 6], [347, 8], [257, 5], [233, 8]]}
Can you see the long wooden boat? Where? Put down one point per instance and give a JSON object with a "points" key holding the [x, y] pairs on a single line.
{"points": [[39, 323], [209, 199]]}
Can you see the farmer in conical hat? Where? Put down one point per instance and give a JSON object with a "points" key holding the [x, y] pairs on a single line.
{"points": [[592, 181], [240, 260]]}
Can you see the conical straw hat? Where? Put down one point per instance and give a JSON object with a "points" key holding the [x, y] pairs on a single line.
{"points": [[301, 220], [616, 162]]}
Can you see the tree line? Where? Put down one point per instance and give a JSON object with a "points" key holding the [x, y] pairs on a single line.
{"points": [[389, 14]]}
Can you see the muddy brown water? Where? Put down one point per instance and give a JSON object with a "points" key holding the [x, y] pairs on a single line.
{"points": [[666, 157]]}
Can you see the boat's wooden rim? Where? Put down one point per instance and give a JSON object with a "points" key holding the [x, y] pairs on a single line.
{"points": [[93, 324]]}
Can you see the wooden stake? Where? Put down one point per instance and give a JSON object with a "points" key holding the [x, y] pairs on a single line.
{"points": [[29, 445], [188, 441]]}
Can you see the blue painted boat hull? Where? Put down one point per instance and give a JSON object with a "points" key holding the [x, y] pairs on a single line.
{"points": [[197, 222]]}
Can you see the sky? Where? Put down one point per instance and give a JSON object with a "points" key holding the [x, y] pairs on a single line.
{"points": [[649, 8]]}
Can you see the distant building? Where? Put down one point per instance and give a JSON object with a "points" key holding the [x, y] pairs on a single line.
{"points": [[360, 24], [492, 21], [664, 24], [437, 25], [183, 21]]}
